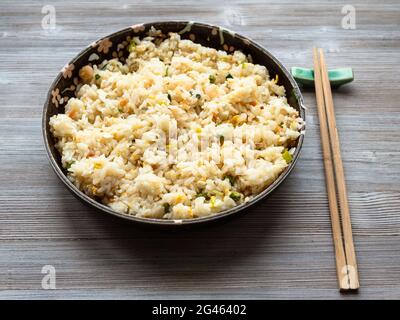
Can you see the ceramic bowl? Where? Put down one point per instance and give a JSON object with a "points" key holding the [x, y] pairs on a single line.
{"points": [[115, 46]]}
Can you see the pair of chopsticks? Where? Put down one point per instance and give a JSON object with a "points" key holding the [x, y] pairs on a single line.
{"points": [[346, 264]]}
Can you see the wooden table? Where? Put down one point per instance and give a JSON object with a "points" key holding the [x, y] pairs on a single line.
{"points": [[280, 249]]}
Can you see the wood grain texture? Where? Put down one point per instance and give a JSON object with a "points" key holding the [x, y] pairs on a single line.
{"points": [[281, 248]]}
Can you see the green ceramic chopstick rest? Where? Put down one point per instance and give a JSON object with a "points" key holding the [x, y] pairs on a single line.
{"points": [[337, 77]]}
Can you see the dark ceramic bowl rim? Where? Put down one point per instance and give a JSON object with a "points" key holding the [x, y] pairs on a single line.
{"points": [[177, 222]]}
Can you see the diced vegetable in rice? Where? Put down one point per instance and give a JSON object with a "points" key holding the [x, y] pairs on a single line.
{"points": [[177, 132]]}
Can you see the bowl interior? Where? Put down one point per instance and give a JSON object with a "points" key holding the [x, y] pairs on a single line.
{"points": [[116, 46]]}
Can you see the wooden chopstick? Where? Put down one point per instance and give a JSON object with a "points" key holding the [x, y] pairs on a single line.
{"points": [[352, 272], [329, 176], [346, 268]]}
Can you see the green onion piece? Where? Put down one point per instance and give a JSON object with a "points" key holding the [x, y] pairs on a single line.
{"points": [[203, 194], [198, 95], [97, 76], [230, 178], [287, 156], [166, 71], [235, 196], [221, 140], [244, 65], [211, 78], [167, 207], [131, 46], [169, 97], [229, 76], [69, 164]]}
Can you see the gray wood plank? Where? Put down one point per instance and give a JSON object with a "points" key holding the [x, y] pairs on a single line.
{"points": [[280, 249]]}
